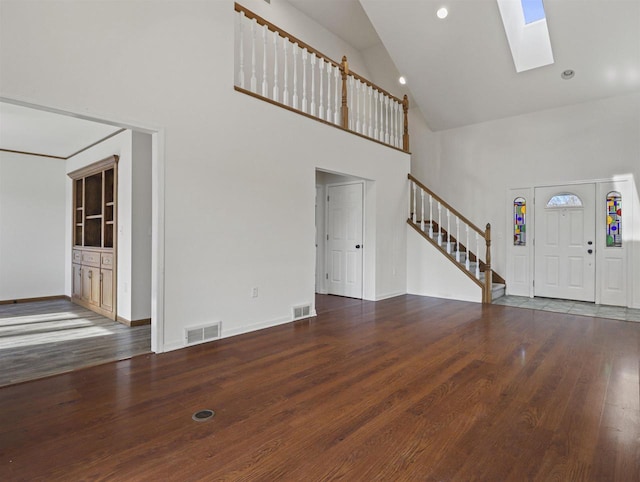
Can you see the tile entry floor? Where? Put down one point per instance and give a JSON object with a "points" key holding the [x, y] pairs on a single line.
{"points": [[571, 307]]}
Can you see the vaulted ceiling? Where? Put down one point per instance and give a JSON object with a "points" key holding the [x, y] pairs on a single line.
{"points": [[460, 70]]}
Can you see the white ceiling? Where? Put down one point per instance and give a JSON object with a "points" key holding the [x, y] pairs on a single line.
{"points": [[460, 69], [40, 132]]}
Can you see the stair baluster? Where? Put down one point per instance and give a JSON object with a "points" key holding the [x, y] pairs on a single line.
{"points": [[321, 93], [254, 80], [276, 90], [466, 262], [313, 84], [430, 216], [477, 257], [241, 47], [422, 210], [439, 223], [295, 49], [448, 232], [414, 202], [457, 239], [265, 29], [285, 92]]}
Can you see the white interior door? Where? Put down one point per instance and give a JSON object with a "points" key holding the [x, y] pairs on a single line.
{"points": [[565, 259], [344, 239]]}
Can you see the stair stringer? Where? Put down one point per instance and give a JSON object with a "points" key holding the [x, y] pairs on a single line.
{"points": [[430, 273]]}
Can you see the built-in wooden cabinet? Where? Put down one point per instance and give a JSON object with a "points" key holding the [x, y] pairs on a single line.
{"points": [[94, 236]]}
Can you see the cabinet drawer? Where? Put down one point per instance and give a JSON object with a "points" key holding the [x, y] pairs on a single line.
{"points": [[77, 256], [106, 260], [91, 258]]}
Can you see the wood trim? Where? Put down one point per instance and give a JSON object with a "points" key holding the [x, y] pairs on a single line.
{"points": [[32, 300], [291, 109], [130, 323], [458, 265], [119, 131], [34, 154], [448, 206], [95, 167], [292, 38]]}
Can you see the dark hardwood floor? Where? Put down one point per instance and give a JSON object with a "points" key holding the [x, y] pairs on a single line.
{"points": [[409, 388]]}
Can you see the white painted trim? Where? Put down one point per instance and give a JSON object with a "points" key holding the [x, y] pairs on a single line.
{"points": [[158, 208], [599, 230]]}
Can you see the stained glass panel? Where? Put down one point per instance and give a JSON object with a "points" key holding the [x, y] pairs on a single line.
{"points": [[519, 222], [614, 220]]}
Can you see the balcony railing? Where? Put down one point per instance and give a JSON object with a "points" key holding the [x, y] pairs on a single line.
{"points": [[277, 67]]}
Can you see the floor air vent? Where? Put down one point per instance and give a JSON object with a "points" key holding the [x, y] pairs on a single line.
{"points": [[203, 333], [301, 312]]}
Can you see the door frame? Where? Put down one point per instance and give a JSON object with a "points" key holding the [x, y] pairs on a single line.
{"points": [[326, 228], [525, 287]]}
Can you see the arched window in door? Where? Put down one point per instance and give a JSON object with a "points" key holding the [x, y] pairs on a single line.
{"points": [[519, 221], [614, 220]]}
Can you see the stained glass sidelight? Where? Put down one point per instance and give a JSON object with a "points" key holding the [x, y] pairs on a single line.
{"points": [[519, 222], [614, 220]]}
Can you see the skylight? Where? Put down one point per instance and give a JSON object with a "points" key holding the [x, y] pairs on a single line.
{"points": [[533, 10], [525, 24]]}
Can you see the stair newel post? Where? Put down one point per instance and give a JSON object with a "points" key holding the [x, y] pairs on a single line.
{"points": [[477, 255], [457, 239], [448, 231], [430, 216], [466, 262], [488, 273], [405, 135], [413, 218], [344, 70], [422, 210], [439, 222]]}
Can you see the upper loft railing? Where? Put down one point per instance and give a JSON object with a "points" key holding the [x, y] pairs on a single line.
{"points": [[453, 233], [277, 67]]}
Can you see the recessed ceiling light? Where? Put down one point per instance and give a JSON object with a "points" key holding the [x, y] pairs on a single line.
{"points": [[567, 74], [402, 79], [442, 13]]}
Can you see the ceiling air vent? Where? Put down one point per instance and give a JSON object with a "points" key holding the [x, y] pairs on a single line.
{"points": [[303, 311], [201, 334]]}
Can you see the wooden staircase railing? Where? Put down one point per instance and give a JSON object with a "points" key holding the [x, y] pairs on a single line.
{"points": [[434, 219], [267, 67]]}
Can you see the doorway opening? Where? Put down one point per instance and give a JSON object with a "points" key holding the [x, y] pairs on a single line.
{"points": [[148, 239], [340, 235]]}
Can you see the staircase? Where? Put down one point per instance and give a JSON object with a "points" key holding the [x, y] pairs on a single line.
{"points": [[455, 236]]}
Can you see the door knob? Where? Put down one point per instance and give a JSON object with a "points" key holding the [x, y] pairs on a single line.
{"points": [[590, 251], [357, 246]]}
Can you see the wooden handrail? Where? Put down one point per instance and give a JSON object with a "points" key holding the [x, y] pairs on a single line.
{"points": [[448, 206]]}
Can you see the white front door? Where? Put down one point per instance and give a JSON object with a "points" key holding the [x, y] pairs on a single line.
{"points": [[344, 238], [565, 242]]}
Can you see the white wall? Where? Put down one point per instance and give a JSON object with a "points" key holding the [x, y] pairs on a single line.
{"points": [[239, 173], [429, 273], [32, 226], [134, 219], [475, 165]]}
